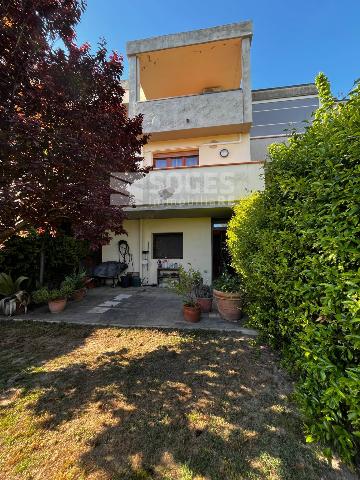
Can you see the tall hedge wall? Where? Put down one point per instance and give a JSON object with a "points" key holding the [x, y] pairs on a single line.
{"points": [[297, 244], [21, 256]]}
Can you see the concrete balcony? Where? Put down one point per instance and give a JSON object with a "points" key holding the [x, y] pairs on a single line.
{"points": [[187, 192], [192, 83], [211, 113]]}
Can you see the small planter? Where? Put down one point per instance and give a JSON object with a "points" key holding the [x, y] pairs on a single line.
{"points": [[78, 295], [90, 283], [191, 313], [58, 305], [205, 304], [229, 305]]}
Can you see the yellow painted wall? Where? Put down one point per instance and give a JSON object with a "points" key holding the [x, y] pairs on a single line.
{"points": [[188, 70], [196, 244], [209, 148], [111, 252]]}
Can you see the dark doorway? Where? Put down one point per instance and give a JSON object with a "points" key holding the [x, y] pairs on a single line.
{"points": [[220, 254]]}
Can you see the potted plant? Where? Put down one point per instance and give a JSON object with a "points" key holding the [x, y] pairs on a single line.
{"points": [[76, 282], [185, 288], [56, 298], [204, 297], [229, 295]]}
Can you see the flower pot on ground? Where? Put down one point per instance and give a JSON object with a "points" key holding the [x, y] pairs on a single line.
{"points": [[192, 313], [90, 283], [185, 287], [56, 299], [204, 298], [58, 305], [79, 294], [229, 296]]}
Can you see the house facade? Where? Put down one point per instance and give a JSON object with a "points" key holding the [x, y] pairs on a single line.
{"points": [[209, 134]]}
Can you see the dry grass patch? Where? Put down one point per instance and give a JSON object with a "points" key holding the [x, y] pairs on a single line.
{"points": [[111, 404]]}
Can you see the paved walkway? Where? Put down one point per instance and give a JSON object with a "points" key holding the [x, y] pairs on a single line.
{"points": [[143, 307]]}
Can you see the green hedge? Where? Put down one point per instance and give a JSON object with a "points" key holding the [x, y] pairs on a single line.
{"points": [[21, 256], [297, 244]]}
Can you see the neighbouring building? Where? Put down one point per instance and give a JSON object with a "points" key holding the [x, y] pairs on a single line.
{"points": [[209, 133]]}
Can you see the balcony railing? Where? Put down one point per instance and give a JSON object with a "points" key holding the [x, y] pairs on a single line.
{"points": [[197, 185]]}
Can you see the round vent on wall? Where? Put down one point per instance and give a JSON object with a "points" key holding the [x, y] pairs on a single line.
{"points": [[224, 152]]}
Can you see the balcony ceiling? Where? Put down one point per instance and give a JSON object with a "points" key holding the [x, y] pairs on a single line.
{"points": [[189, 70]]}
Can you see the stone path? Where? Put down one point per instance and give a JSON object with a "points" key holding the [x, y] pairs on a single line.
{"points": [[143, 307]]}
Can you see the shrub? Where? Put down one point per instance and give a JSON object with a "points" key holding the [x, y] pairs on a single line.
{"points": [[21, 256], [228, 283], [75, 281], [44, 295], [297, 245], [8, 286], [186, 287]]}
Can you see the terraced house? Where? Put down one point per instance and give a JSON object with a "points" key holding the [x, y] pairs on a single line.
{"points": [[209, 133]]}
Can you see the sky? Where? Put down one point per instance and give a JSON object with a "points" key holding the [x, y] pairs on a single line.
{"points": [[292, 41]]}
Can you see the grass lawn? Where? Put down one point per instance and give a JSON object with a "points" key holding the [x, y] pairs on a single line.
{"points": [[112, 404]]}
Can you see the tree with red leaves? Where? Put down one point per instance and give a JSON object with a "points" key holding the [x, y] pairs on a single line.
{"points": [[63, 125]]}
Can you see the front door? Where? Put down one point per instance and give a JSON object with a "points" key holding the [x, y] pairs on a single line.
{"points": [[220, 253]]}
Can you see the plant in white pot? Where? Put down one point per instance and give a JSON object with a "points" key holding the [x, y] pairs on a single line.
{"points": [[229, 296]]}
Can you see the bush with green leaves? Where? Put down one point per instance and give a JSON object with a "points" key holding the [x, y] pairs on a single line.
{"points": [[75, 281], [229, 283], [21, 256], [45, 294], [185, 287], [297, 246], [8, 286]]}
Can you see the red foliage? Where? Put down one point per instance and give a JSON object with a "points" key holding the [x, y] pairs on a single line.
{"points": [[63, 125]]}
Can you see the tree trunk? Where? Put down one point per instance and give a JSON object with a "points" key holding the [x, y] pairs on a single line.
{"points": [[42, 263]]}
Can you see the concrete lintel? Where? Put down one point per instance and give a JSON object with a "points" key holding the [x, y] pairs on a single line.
{"points": [[291, 91], [179, 211], [223, 32]]}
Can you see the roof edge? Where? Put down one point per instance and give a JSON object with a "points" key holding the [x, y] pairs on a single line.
{"points": [[193, 37]]}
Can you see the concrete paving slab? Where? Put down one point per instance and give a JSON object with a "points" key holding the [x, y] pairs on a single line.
{"points": [[142, 307]]}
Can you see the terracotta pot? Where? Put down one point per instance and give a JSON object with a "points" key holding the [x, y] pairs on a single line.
{"points": [[90, 283], [205, 304], [79, 294], [229, 305], [58, 305], [191, 314]]}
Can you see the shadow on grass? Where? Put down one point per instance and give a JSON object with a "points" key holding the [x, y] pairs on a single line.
{"points": [[210, 406], [26, 346]]}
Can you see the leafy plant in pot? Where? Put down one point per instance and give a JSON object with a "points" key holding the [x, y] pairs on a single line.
{"points": [[204, 297], [76, 283], [56, 298], [229, 295], [185, 288]]}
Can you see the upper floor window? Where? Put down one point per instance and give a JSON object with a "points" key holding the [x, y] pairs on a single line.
{"points": [[176, 159]]}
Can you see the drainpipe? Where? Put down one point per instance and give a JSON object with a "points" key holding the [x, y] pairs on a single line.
{"points": [[140, 248]]}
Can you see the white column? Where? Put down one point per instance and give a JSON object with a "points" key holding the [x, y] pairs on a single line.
{"points": [[134, 84], [246, 79]]}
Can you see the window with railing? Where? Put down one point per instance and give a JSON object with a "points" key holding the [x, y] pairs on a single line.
{"points": [[176, 159]]}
